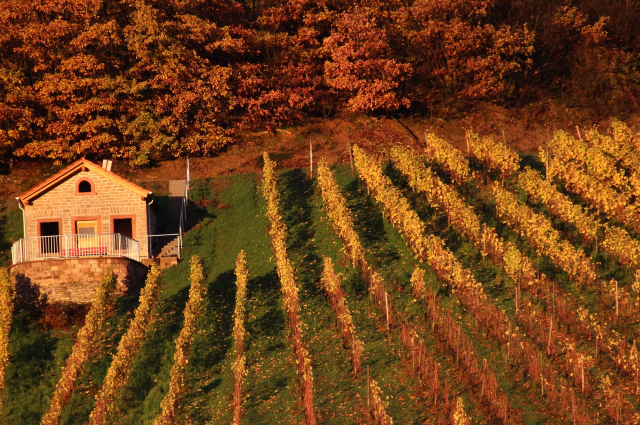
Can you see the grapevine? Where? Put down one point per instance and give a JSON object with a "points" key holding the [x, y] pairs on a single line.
{"points": [[331, 284], [493, 155], [451, 160], [183, 343], [379, 405], [239, 318], [129, 345], [6, 315], [289, 287]]}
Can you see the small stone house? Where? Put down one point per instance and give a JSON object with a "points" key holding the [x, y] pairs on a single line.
{"points": [[86, 199], [77, 223]]}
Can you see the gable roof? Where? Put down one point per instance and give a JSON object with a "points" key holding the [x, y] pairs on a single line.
{"points": [[80, 164]]}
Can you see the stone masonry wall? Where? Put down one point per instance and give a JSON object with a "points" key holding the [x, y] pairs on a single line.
{"points": [[75, 279], [109, 201]]}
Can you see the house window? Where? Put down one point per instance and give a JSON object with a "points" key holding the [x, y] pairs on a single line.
{"points": [[49, 233], [124, 226], [49, 228], [86, 231], [87, 227], [85, 186]]}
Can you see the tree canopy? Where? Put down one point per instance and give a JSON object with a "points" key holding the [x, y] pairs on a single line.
{"points": [[138, 80]]}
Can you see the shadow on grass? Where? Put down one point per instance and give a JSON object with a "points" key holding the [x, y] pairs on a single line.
{"points": [[30, 375], [149, 376], [272, 322], [533, 161], [369, 222], [211, 346], [217, 314], [296, 197]]}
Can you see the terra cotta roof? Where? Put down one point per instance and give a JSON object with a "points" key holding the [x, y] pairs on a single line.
{"points": [[80, 164]]}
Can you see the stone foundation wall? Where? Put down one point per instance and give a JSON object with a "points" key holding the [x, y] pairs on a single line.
{"points": [[75, 279]]}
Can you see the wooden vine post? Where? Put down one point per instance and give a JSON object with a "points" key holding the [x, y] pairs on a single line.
{"points": [[368, 390], [547, 163], [386, 308], [353, 174], [509, 344], [468, 150], [311, 160]]}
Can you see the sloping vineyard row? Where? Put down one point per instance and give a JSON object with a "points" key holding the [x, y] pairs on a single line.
{"points": [[6, 316], [556, 309], [448, 331], [493, 155], [183, 343], [331, 285], [486, 313], [616, 241], [607, 340], [239, 334], [289, 288]]}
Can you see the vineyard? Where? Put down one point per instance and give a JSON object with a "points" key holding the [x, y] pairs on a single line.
{"points": [[417, 284]]}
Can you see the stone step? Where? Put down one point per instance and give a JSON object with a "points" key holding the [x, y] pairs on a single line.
{"points": [[170, 249]]}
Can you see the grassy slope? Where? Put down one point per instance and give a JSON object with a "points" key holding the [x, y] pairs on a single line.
{"points": [[271, 391]]}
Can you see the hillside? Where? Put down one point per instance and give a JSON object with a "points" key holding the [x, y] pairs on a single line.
{"points": [[524, 314]]}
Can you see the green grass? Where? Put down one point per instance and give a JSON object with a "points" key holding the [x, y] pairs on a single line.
{"points": [[227, 215]]}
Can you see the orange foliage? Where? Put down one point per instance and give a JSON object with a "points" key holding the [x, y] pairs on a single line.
{"points": [[142, 81]]}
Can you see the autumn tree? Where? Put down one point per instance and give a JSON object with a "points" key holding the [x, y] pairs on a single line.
{"points": [[361, 65], [459, 54]]}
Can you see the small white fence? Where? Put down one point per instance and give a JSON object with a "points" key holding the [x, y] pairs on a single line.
{"points": [[69, 246]]}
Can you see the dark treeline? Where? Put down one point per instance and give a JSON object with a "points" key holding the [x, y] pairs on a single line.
{"points": [[139, 80]]}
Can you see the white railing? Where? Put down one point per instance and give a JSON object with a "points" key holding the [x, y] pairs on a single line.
{"points": [[69, 246]]}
